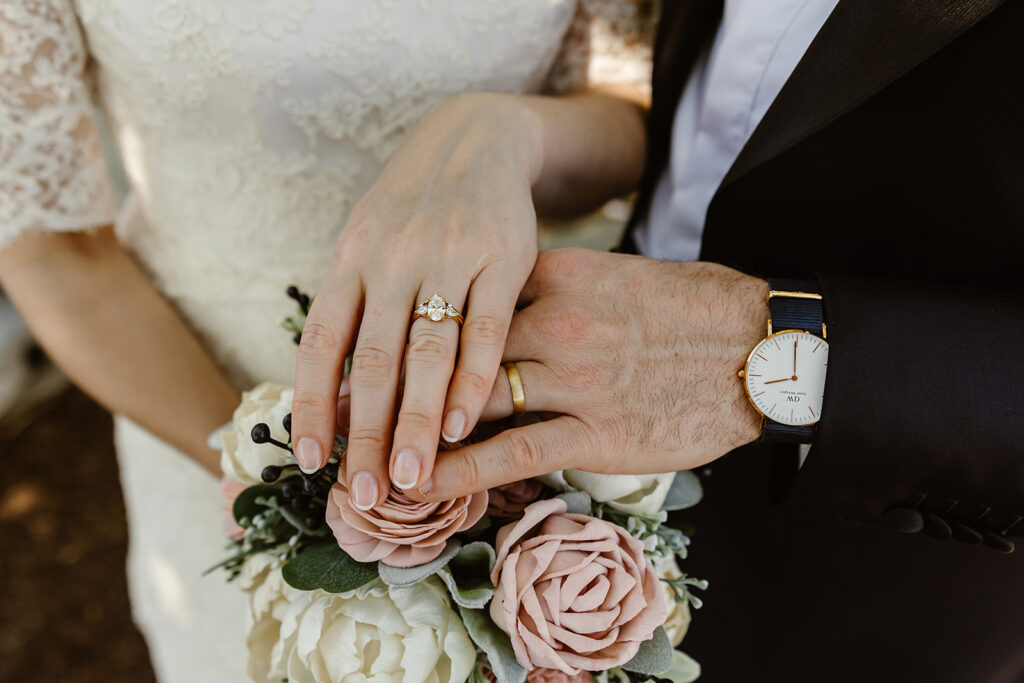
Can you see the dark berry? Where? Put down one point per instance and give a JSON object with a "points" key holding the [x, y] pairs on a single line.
{"points": [[287, 422], [310, 485], [271, 473], [314, 523], [291, 489], [292, 292], [261, 433], [301, 503], [297, 338]]}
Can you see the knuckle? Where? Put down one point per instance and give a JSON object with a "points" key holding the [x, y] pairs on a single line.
{"points": [[572, 323], [415, 417], [317, 338], [428, 347], [467, 472], [524, 454], [486, 329], [477, 383], [370, 365], [366, 439], [310, 404]]}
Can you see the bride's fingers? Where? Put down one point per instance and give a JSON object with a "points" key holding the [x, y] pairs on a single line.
{"points": [[489, 309], [376, 362], [541, 390], [429, 360], [326, 339]]}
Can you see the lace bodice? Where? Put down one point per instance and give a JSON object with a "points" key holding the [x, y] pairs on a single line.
{"points": [[248, 128]]}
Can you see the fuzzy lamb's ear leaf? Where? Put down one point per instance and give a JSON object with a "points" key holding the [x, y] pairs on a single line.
{"points": [[327, 567], [684, 668], [685, 492], [654, 656], [577, 502], [495, 644], [406, 576], [467, 576]]}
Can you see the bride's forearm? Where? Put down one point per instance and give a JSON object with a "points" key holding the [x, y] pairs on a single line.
{"points": [[99, 317]]}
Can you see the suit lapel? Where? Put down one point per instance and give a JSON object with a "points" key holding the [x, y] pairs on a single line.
{"points": [[864, 46]]}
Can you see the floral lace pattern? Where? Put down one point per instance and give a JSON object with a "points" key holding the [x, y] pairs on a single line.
{"points": [[53, 174]]}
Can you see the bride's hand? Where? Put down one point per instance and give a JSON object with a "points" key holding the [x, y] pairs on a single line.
{"points": [[451, 214]]}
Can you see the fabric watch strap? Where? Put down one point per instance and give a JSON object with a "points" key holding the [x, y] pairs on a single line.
{"points": [[793, 313]]}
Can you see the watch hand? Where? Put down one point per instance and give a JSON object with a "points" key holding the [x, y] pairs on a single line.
{"points": [[795, 342], [784, 379]]}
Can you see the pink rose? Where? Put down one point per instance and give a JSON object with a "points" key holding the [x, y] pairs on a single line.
{"points": [[540, 675], [510, 500], [400, 531], [229, 490], [574, 593]]}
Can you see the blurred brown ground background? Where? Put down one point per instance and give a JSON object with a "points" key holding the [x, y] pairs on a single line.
{"points": [[64, 613]]}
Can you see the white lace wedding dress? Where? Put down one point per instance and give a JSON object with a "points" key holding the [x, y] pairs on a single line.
{"points": [[247, 130]]}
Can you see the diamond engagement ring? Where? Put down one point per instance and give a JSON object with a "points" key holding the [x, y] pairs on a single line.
{"points": [[436, 309]]}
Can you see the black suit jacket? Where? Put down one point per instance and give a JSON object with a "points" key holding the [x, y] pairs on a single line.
{"points": [[891, 167]]}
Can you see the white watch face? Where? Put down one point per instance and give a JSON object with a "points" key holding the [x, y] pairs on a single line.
{"points": [[785, 377]]}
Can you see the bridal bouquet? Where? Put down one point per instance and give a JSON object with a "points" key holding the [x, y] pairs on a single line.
{"points": [[562, 578]]}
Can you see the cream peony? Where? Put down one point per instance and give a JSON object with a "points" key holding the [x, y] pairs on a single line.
{"points": [[573, 592], [240, 458], [389, 634], [634, 493], [678, 620]]}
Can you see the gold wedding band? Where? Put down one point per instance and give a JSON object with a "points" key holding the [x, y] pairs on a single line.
{"points": [[515, 383], [436, 309]]}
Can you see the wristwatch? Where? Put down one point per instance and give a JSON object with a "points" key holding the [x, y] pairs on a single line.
{"points": [[784, 375]]}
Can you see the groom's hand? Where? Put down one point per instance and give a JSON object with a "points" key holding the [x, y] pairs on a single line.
{"points": [[639, 359]]}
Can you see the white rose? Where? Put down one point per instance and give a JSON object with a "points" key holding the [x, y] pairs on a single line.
{"points": [[393, 634], [634, 493], [242, 459], [678, 620]]}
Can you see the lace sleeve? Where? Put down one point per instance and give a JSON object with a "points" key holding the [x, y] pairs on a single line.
{"points": [[53, 173], [607, 43]]}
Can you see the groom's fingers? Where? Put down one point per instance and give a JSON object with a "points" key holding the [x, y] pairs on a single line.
{"points": [[326, 339], [510, 456], [541, 390]]}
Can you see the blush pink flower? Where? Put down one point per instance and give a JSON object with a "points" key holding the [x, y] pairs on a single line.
{"points": [[574, 593], [510, 500], [229, 490], [540, 675], [400, 531]]}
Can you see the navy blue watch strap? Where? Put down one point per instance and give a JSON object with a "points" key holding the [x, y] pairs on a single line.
{"points": [[789, 311]]}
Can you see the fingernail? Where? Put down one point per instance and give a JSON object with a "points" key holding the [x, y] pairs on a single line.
{"points": [[406, 469], [307, 454], [364, 490], [345, 389], [454, 425]]}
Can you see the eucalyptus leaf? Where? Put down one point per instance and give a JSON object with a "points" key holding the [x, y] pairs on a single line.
{"points": [[327, 567], [684, 668], [245, 505], [654, 656], [406, 576], [495, 644], [685, 492], [467, 576], [577, 502]]}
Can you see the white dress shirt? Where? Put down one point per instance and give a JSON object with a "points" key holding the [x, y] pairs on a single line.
{"points": [[758, 44]]}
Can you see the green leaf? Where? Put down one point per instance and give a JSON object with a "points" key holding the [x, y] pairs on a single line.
{"points": [[684, 668], [495, 644], [406, 576], [685, 492], [468, 575], [654, 656], [245, 505], [327, 567]]}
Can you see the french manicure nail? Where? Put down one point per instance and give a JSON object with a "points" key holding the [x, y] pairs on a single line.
{"points": [[406, 469], [454, 425], [364, 490], [307, 454]]}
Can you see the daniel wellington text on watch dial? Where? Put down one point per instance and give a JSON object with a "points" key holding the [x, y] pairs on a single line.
{"points": [[785, 377]]}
